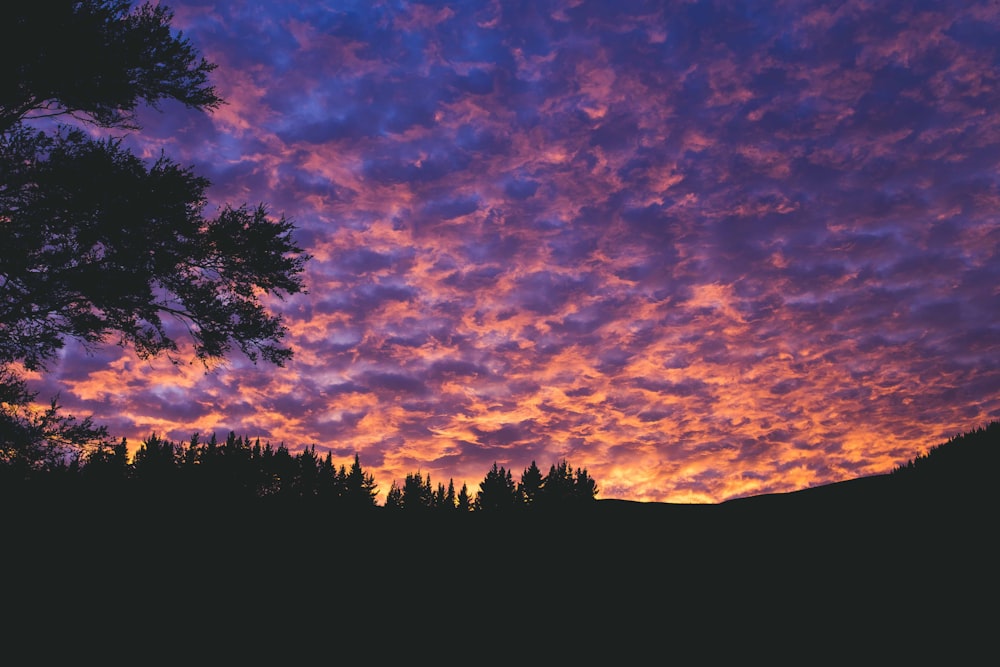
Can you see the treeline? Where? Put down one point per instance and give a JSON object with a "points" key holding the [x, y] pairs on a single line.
{"points": [[239, 469], [234, 470], [976, 449], [963, 466], [562, 487]]}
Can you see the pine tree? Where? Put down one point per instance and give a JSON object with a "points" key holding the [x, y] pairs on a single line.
{"points": [[464, 502], [307, 477], [394, 498], [497, 492], [361, 490], [108, 466], [530, 486], [416, 493], [557, 487], [439, 497], [327, 486], [584, 487], [449, 496]]}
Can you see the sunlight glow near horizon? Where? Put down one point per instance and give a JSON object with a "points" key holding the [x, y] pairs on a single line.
{"points": [[703, 252]]}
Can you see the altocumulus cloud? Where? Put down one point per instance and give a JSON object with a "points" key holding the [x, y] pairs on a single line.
{"points": [[703, 249]]}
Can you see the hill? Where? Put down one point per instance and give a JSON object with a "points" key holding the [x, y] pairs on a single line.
{"points": [[872, 569]]}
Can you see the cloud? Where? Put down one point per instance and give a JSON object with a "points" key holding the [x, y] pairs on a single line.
{"points": [[702, 251]]}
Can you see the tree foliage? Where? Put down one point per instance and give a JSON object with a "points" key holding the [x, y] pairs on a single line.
{"points": [[35, 440], [563, 486], [237, 470], [95, 61], [417, 493], [102, 246], [531, 485], [360, 489], [497, 491], [959, 468], [97, 243], [234, 470], [464, 502]]}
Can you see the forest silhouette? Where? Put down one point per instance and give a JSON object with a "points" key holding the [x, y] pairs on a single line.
{"points": [[242, 473], [853, 568]]}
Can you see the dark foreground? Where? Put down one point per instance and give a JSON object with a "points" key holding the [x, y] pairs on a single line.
{"points": [[844, 571]]}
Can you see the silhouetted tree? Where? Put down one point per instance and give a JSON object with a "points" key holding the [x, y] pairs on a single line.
{"points": [[236, 471], [530, 485], [360, 490], [448, 502], [563, 487], [35, 440], [584, 487], [95, 60], [99, 244], [394, 497], [960, 469], [108, 466], [307, 476], [417, 493], [329, 487], [557, 486], [155, 465], [497, 491], [280, 469], [464, 502], [192, 449]]}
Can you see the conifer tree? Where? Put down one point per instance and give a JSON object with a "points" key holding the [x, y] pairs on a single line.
{"points": [[416, 493], [361, 490], [464, 502], [394, 497], [108, 466], [449, 496], [584, 487], [439, 497], [497, 491], [530, 485]]}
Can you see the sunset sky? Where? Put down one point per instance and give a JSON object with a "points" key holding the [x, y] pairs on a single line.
{"points": [[702, 249]]}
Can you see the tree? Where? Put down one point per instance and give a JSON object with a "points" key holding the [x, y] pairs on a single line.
{"points": [[99, 245], [394, 497], [360, 490], [328, 486], [95, 61], [307, 477], [449, 501], [497, 491], [156, 465], [32, 439], [563, 487], [584, 487], [530, 486], [108, 465], [417, 494], [557, 487], [464, 503]]}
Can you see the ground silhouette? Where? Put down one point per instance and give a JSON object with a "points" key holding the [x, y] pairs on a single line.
{"points": [[885, 568]]}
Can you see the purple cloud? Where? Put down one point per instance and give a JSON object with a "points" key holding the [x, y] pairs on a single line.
{"points": [[702, 249]]}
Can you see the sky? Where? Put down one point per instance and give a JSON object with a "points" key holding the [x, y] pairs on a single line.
{"points": [[702, 249]]}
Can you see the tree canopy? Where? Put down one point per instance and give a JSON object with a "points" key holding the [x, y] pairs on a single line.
{"points": [[97, 243], [95, 61], [102, 246]]}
